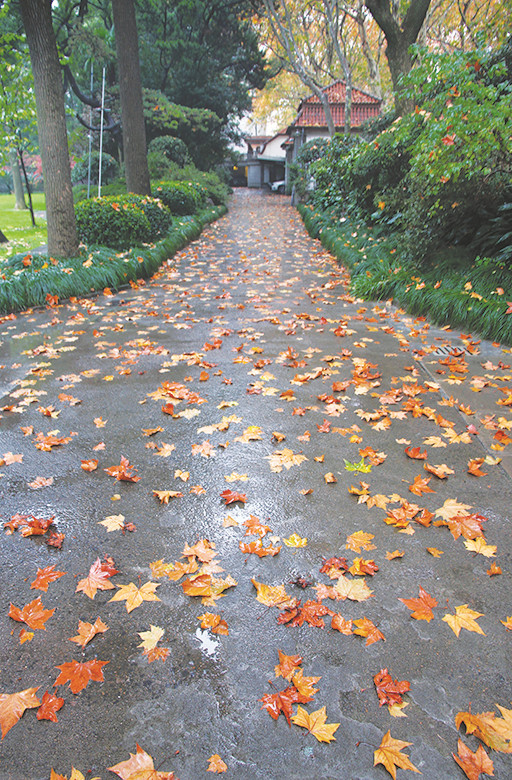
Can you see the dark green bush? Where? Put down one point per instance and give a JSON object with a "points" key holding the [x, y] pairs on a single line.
{"points": [[181, 198], [112, 221], [173, 149], [157, 213]]}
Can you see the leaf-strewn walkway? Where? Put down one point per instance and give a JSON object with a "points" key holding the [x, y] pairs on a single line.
{"points": [[244, 497]]}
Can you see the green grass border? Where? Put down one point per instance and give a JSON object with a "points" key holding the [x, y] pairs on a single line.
{"points": [[24, 286], [472, 296]]}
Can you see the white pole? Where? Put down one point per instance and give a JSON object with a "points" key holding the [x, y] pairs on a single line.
{"points": [[90, 139], [101, 130]]}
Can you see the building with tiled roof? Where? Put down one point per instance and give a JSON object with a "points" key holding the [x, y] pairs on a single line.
{"points": [[311, 114]]}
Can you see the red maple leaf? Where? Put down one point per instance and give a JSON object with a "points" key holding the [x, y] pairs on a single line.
{"points": [[389, 691], [50, 705], [231, 497], [311, 612], [122, 472]]}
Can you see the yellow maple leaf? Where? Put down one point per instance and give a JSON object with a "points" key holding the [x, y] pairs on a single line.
{"points": [[480, 546], [315, 723], [464, 618], [216, 764], [295, 541], [134, 596], [272, 595], [452, 508], [284, 458], [495, 732], [435, 552], [113, 522], [360, 540], [183, 475], [151, 638], [355, 590], [235, 477], [229, 522], [165, 495], [389, 754]]}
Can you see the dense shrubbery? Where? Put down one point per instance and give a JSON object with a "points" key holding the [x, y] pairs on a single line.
{"points": [[171, 149], [121, 221], [441, 175], [181, 197]]}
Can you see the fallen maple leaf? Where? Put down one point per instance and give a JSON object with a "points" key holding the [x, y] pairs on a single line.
{"points": [[44, 577], [89, 465], [435, 552], [416, 453], [295, 541], [98, 577], [280, 702], [231, 497], [473, 764], [422, 606], [165, 495], [134, 596], [360, 540], [87, 631], [288, 665], [507, 622], [140, 766], [474, 467], [13, 705], [305, 685], [113, 522], [40, 482], [315, 723], [312, 612], [355, 590], [341, 625], [493, 569], [214, 622], [389, 691], [80, 674], [464, 618], [50, 705], [367, 628], [284, 458], [121, 472], [216, 764], [480, 546], [272, 595], [389, 754], [495, 732], [441, 471], [420, 485], [33, 615]]}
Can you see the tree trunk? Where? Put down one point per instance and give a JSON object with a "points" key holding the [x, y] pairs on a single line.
{"points": [[51, 127], [399, 37], [16, 181], [3, 238], [130, 91]]}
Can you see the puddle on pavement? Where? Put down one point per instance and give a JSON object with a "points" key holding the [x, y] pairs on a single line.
{"points": [[207, 644]]}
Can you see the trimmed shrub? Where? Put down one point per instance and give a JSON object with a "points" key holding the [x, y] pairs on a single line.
{"points": [[181, 198], [112, 221], [158, 214], [171, 148]]}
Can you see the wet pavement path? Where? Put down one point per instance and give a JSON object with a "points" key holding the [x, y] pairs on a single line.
{"points": [[245, 366]]}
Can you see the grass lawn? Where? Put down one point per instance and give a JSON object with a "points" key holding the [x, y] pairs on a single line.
{"points": [[16, 225]]}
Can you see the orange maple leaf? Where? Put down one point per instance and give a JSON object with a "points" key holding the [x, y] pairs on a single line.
{"points": [[80, 674], [422, 606], [473, 764], [98, 577], [140, 766], [216, 764], [87, 631], [287, 666], [367, 628], [33, 615], [122, 472], [44, 577], [13, 705], [231, 497], [389, 691]]}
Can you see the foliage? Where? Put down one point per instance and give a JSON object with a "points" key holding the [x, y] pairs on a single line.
{"points": [[200, 129], [309, 152], [173, 149], [181, 197], [27, 279], [440, 174], [112, 221], [109, 168]]}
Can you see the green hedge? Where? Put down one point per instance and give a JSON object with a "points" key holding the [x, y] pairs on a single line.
{"points": [[181, 197], [26, 280]]}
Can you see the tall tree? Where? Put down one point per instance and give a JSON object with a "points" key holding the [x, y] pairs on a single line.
{"points": [[130, 91], [401, 33], [51, 126]]}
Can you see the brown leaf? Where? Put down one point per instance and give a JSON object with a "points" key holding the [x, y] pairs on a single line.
{"points": [[50, 705], [45, 577], [473, 764], [422, 606], [98, 577], [33, 615], [79, 675]]}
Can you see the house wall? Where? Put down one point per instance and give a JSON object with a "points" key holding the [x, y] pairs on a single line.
{"points": [[273, 147]]}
